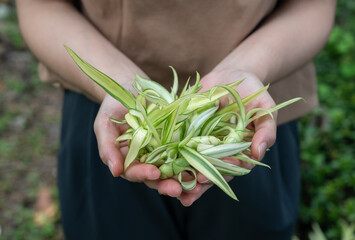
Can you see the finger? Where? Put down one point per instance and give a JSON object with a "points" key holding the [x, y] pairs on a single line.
{"points": [[195, 190], [188, 198], [264, 137], [202, 178], [169, 187], [106, 134], [187, 176], [139, 172]]}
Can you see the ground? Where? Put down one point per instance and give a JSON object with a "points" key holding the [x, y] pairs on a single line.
{"points": [[29, 140]]}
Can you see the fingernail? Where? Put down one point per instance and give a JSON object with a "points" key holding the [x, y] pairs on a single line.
{"points": [[205, 181], [261, 150], [110, 166]]}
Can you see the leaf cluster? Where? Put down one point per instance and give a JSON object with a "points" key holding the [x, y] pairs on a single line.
{"points": [[185, 133]]}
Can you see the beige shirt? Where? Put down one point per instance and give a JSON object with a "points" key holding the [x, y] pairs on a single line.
{"points": [[193, 36]]}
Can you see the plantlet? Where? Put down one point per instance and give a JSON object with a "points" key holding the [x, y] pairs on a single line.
{"points": [[186, 132]]}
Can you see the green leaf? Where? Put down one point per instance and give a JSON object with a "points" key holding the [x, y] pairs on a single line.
{"points": [[175, 87], [200, 119], [208, 140], [132, 121], [226, 150], [245, 158], [183, 92], [187, 185], [155, 154], [149, 94], [158, 115], [255, 110], [234, 107], [238, 101], [138, 139], [138, 115], [149, 84], [211, 124], [117, 121], [179, 164], [169, 127], [210, 96], [254, 95], [277, 107], [148, 122], [317, 233], [201, 164], [166, 170], [109, 85], [227, 168], [151, 107], [196, 87], [218, 91], [124, 137], [187, 138]]}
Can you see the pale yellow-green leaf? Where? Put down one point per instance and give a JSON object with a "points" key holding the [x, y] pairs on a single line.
{"points": [[197, 161], [108, 84], [136, 145]]}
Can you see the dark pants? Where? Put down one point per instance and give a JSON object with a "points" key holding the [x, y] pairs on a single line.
{"points": [[94, 205]]}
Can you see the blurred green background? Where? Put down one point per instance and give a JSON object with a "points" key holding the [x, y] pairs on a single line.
{"points": [[29, 136]]}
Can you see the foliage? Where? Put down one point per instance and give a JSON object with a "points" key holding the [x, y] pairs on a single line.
{"points": [[347, 232], [186, 132], [328, 134], [327, 138]]}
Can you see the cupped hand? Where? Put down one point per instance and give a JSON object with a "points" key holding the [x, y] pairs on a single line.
{"points": [[113, 153], [265, 127]]}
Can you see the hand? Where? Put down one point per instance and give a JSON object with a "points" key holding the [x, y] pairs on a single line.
{"points": [[113, 154], [265, 127]]}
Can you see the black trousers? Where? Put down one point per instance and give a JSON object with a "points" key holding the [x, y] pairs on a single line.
{"points": [[94, 205]]}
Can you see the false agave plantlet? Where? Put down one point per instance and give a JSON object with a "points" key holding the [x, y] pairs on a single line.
{"points": [[187, 132]]}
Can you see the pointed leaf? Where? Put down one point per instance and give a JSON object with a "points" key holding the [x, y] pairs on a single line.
{"points": [[109, 85], [147, 121], [132, 121], [149, 84], [227, 168], [200, 119], [175, 88], [207, 97], [237, 99], [157, 151], [277, 107], [185, 87], [135, 146], [226, 150], [169, 127], [124, 137], [149, 94], [254, 95], [211, 124], [201, 164], [196, 87], [245, 158], [117, 121]]}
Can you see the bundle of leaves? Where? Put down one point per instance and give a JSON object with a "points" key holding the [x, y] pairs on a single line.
{"points": [[188, 132]]}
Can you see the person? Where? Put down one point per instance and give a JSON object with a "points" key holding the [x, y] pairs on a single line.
{"points": [[264, 41]]}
